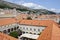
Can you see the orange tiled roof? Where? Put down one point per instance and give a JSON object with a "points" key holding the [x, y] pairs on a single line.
{"points": [[6, 37], [7, 21], [36, 22], [52, 32]]}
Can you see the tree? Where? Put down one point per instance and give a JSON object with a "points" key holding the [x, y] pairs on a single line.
{"points": [[14, 34]]}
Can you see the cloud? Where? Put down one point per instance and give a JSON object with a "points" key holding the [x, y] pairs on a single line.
{"points": [[16, 1], [34, 6], [55, 10]]}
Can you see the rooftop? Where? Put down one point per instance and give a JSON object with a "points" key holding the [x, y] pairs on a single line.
{"points": [[6, 21], [6, 37], [36, 22], [51, 32]]}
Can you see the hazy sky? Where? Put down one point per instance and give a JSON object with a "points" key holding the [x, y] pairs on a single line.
{"points": [[53, 5]]}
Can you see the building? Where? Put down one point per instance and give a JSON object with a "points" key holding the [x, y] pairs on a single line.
{"points": [[31, 27], [52, 32], [28, 37], [23, 15], [4, 13], [49, 29], [53, 17], [8, 25]]}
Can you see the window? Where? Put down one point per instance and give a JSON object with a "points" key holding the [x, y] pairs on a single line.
{"points": [[26, 32], [59, 22], [34, 33], [8, 30], [36, 17], [38, 29], [27, 28], [34, 29], [23, 27], [14, 28], [11, 29], [30, 28], [4, 31], [30, 32], [17, 27], [23, 32]]}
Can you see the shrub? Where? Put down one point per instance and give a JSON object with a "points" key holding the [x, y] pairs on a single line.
{"points": [[29, 18], [14, 34]]}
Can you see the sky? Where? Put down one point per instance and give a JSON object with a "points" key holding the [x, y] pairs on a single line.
{"points": [[53, 5]]}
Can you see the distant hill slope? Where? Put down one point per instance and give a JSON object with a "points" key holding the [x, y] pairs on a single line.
{"points": [[43, 11], [4, 4]]}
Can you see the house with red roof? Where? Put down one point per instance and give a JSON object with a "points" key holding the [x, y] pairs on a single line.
{"points": [[49, 29], [8, 25]]}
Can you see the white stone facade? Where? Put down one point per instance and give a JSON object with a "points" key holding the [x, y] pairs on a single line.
{"points": [[9, 28], [31, 29]]}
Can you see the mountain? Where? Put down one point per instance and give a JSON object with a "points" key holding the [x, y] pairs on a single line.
{"points": [[43, 11], [5, 4]]}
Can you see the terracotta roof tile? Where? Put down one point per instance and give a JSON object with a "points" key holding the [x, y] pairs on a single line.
{"points": [[7, 21], [36, 22], [52, 32], [6, 37]]}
